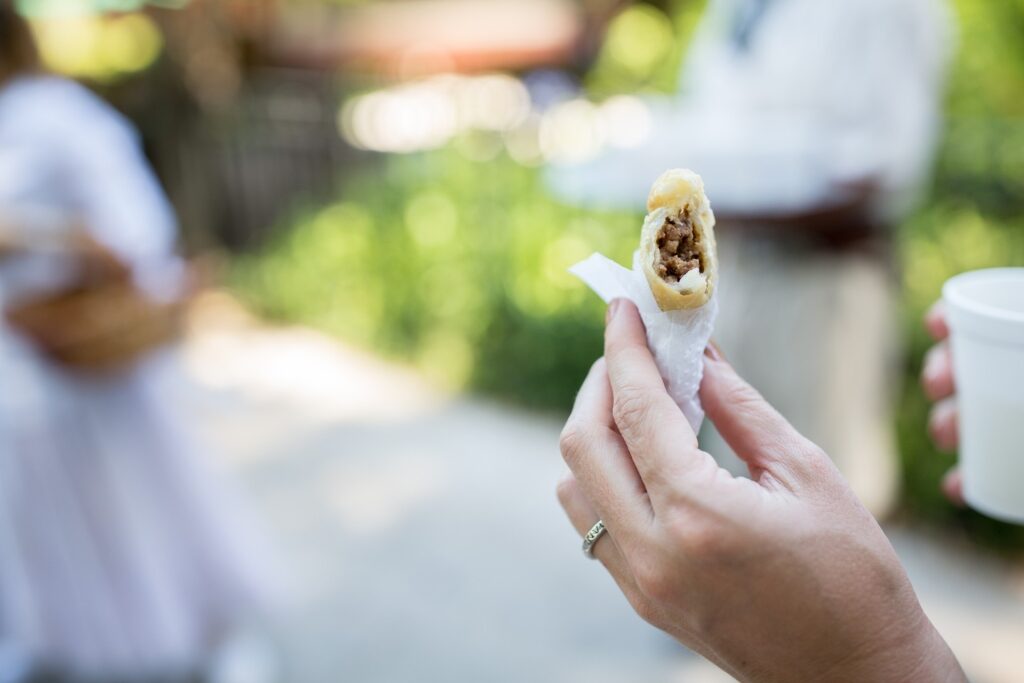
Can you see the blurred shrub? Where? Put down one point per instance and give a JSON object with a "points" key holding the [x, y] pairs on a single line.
{"points": [[457, 266]]}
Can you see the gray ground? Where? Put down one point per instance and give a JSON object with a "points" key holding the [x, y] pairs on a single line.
{"points": [[425, 544]]}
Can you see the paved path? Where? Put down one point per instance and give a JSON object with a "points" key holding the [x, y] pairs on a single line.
{"points": [[425, 542]]}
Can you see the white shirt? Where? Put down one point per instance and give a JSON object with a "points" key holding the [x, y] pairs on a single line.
{"points": [[827, 94], [67, 157]]}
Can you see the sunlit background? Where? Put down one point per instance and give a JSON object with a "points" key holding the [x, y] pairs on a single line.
{"points": [[374, 171]]}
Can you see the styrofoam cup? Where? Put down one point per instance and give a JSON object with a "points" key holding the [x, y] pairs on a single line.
{"points": [[985, 313]]}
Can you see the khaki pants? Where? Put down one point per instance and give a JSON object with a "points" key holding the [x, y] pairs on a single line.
{"points": [[814, 332]]}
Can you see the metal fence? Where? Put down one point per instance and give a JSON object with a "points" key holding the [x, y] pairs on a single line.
{"points": [[233, 179]]}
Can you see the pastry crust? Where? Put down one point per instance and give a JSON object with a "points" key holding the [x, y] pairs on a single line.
{"points": [[680, 193]]}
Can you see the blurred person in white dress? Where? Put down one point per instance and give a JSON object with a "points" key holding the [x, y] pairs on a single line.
{"points": [[123, 555], [814, 125]]}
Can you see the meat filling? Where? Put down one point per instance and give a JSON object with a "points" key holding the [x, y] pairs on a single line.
{"points": [[678, 246]]}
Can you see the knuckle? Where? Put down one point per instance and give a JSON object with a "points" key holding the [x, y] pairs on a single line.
{"points": [[700, 541], [654, 581], [631, 407], [644, 608], [742, 397], [811, 453], [572, 442], [815, 463], [703, 620], [566, 490]]}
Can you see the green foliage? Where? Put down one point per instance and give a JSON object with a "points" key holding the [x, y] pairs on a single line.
{"points": [[644, 50], [457, 266]]}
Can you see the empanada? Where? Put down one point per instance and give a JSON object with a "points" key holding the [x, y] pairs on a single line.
{"points": [[677, 245]]}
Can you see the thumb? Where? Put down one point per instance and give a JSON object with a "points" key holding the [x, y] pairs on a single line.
{"points": [[759, 435]]}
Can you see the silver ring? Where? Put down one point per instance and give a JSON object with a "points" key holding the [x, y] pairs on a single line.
{"points": [[592, 537]]}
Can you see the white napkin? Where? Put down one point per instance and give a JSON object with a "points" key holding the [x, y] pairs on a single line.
{"points": [[677, 338]]}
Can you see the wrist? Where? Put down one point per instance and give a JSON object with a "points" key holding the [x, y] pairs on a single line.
{"points": [[934, 660], [920, 654]]}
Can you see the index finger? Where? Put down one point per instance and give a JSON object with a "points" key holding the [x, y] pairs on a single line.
{"points": [[657, 434], [599, 459]]}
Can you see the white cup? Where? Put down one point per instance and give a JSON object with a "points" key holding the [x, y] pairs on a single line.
{"points": [[985, 312]]}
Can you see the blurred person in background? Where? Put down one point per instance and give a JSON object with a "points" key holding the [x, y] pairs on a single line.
{"points": [[814, 125], [122, 555]]}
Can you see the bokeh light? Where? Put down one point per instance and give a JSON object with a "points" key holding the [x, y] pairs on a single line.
{"points": [[427, 114], [483, 114], [639, 38], [98, 47], [573, 131]]}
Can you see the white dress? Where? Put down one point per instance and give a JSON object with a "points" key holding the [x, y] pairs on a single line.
{"points": [[120, 552]]}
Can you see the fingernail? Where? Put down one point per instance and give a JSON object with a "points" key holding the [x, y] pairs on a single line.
{"points": [[613, 308], [931, 373], [713, 352]]}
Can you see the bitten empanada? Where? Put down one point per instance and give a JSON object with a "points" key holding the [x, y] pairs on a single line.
{"points": [[677, 245]]}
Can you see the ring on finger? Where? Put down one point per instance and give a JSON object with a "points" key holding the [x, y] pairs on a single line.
{"points": [[592, 537]]}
